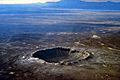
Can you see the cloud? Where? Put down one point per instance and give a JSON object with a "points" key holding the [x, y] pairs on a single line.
{"points": [[25, 1], [100, 0]]}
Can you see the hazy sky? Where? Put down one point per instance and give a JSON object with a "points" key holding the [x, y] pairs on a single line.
{"points": [[44, 1], [25, 1]]}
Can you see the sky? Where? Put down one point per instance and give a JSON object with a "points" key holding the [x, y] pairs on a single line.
{"points": [[44, 1], [25, 1]]}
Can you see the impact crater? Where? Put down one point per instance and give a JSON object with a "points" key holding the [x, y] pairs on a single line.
{"points": [[62, 55]]}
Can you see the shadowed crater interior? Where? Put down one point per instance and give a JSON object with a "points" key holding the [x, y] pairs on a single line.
{"points": [[52, 55]]}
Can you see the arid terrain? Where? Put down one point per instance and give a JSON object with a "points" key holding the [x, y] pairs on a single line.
{"points": [[69, 56], [43, 43]]}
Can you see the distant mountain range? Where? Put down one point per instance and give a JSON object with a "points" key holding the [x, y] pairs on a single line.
{"points": [[77, 4], [85, 5]]}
